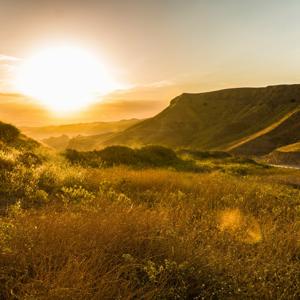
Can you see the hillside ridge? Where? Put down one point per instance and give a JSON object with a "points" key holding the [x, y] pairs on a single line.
{"points": [[261, 132], [215, 120]]}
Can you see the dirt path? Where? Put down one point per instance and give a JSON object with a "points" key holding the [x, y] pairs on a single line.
{"points": [[285, 166]]}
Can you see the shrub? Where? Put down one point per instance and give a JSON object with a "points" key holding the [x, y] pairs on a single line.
{"points": [[8, 133], [6, 164], [157, 156], [75, 195], [30, 159], [118, 155], [196, 154], [177, 278], [87, 159], [149, 156], [73, 156], [242, 160], [20, 184]]}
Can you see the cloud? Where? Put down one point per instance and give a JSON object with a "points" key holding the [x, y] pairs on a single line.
{"points": [[157, 84], [153, 85], [7, 58]]}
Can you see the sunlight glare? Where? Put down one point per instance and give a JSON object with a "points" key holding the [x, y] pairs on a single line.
{"points": [[64, 79]]}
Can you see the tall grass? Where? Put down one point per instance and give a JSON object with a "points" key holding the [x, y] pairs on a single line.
{"points": [[120, 233]]}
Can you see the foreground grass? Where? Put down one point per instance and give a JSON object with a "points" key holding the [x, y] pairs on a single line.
{"points": [[119, 233]]}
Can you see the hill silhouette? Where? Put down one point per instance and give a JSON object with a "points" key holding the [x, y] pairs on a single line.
{"points": [[11, 137], [242, 120], [81, 136], [73, 130]]}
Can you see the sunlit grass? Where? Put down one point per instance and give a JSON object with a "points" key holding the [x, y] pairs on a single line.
{"points": [[159, 234], [74, 231]]}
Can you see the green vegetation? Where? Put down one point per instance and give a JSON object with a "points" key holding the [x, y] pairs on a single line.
{"points": [[149, 156], [8, 133], [10, 136], [162, 157], [138, 227], [223, 162], [204, 154]]}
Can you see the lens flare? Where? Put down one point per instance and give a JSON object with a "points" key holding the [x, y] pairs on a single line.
{"points": [[242, 227]]}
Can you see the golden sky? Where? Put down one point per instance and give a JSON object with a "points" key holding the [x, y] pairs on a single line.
{"points": [[156, 49]]}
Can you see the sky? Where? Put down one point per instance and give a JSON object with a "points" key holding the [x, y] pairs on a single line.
{"points": [[157, 48]]}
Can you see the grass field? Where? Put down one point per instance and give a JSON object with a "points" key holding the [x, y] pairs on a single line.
{"points": [[74, 232]]}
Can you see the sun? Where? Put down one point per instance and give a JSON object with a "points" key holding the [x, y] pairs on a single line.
{"points": [[64, 79]]}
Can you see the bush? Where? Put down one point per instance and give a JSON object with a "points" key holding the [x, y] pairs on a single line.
{"points": [[149, 156], [75, 195], [8, 133], [29, 159], [6, 164], [157, 156], [195, 154], [87, 159], [21, 184], [118, 155]]}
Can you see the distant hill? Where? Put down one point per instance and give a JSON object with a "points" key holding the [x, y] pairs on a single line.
{"points": [[91, 142], [72, 130], [59, 143], [83, 136], [242, 120]]}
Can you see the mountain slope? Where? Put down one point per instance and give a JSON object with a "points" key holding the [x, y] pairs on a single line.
{"points": [[286, 155], [214, 120], [284, 133], [11, 137], [290, 148]]}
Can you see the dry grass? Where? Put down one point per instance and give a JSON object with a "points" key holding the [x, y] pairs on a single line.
{"points": [[156, 234]]}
